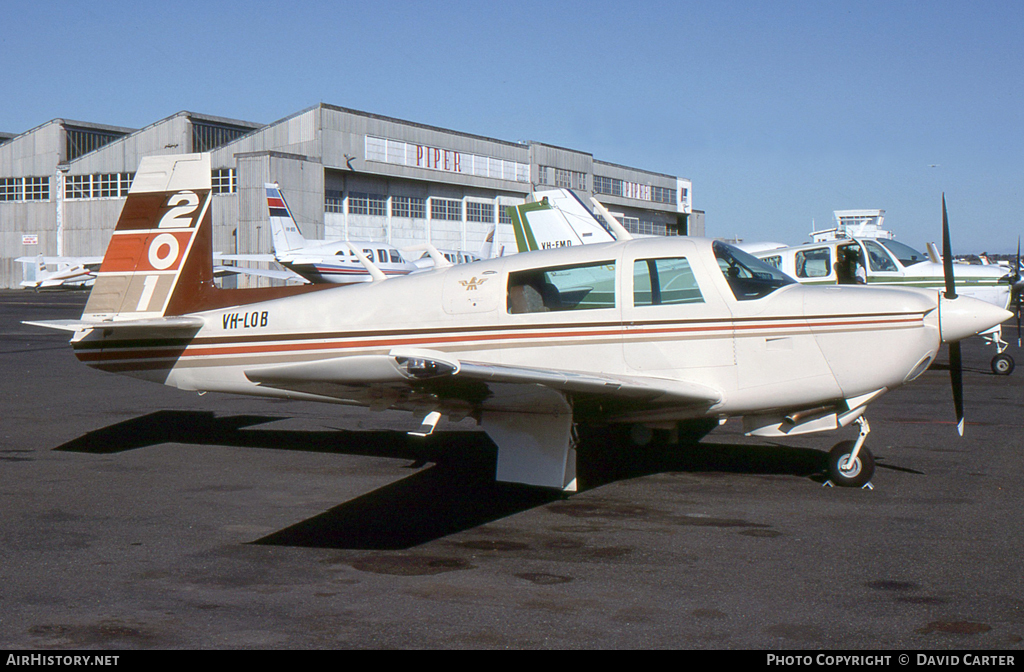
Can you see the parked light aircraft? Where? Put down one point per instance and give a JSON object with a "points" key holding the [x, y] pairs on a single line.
{"points": [[321, 261], [676, 333], [80, 272], [884, 261], [62, 272]]}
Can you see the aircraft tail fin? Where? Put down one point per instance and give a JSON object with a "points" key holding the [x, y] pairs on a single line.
{"points": [[159, 262], [159, 243], [284, 231], [558, 219], [488, 246], [34, 270]]}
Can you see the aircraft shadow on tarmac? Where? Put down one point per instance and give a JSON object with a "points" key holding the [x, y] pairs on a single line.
{"points": [[456, 492]]}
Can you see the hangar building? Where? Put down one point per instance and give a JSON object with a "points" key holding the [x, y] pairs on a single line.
{"points": [[345, 173]]}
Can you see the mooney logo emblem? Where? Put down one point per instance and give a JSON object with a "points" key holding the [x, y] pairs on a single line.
{"points": [[472, 283]]}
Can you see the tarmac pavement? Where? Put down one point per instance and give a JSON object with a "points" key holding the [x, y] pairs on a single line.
{"points": [[136, 516]]}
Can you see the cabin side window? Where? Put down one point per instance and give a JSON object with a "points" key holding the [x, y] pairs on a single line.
{"points": [[774, 261], [749, 278], [659, 282], [813, 263], [878, 258], [583, 287]]}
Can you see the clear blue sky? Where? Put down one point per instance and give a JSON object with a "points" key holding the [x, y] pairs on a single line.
{"points": [[780, 112]]}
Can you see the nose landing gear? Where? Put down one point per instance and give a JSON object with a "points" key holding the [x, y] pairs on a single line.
{"points": [[850, 463]]}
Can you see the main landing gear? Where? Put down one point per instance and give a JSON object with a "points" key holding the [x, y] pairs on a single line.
{"points": [[850, 463]]}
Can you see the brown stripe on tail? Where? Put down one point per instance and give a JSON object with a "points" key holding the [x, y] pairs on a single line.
{"points": [[160, 257]]}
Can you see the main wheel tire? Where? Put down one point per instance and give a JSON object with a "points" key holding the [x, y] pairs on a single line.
{"points": [[1002, 365], [856, 475]]}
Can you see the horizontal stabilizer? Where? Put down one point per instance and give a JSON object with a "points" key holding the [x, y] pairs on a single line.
{"points": [[185, 323]]}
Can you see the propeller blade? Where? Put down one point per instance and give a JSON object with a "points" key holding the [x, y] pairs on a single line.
{"points": [[1016, 266], [956, 377], [947, 255], [956, 371]]}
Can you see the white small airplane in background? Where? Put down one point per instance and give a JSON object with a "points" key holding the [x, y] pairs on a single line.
{"points": [[431, 256], [674, 334], [321, 261], [887, 262], [59, 272]]}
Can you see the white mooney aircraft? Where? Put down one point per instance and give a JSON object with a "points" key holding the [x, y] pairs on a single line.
{"points": [[663, 333], [889, 262]]}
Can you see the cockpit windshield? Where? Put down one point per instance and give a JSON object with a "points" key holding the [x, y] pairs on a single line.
{"points": [[906, 255], [748, 277]]}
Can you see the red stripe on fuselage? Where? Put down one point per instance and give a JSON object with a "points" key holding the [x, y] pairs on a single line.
{"points": [[271, 345]]}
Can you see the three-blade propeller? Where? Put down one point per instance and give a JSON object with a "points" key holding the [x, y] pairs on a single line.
{"points": [[956, 372]]}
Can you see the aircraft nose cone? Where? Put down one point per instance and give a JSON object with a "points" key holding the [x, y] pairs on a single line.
{"points": [[965, 316]]}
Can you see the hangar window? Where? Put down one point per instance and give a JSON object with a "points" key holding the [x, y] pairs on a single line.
{"points": [[503, 216], [37, 188], [658, 282], [78, 186], [570, 179], [584, 287], [207, 136], [11, 188], [105, 185], [367, 204], [607, 185], [25, 189], [333, 201], [224, 181], [663, 195], [79, 141], [409, 206], [445, 208], [480, 212]]}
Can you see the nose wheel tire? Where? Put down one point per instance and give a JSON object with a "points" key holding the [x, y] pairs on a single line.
{"points": [[1002, 365], [853, 475]]}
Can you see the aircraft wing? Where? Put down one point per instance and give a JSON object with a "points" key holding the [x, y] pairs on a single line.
{"points": [[72, 261], [260, 272], [220, 256], [413, 378]]}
